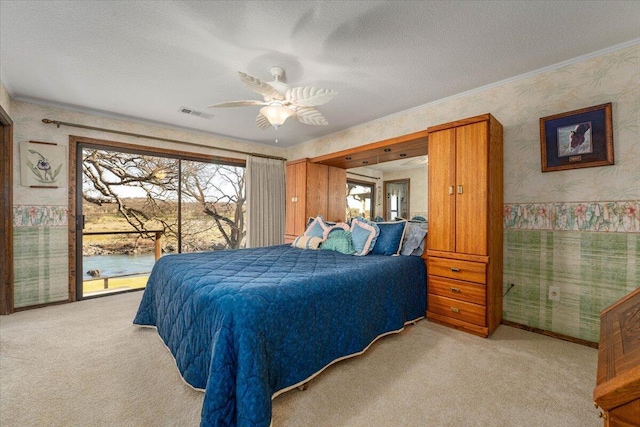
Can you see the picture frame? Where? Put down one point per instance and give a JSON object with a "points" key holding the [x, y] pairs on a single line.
{"points": [[43, 165], [577, 139]]}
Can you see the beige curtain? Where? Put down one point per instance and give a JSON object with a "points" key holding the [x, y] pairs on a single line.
{"points": [[265, 202]]}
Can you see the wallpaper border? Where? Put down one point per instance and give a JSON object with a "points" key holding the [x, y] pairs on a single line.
{"points": [[40, 216], [617, 217]]}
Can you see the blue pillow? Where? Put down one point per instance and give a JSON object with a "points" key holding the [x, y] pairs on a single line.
{"points": [[389, 241], [364, 234], [413, 238], [316, 228]]}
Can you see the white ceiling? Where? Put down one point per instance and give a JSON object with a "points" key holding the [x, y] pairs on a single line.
{"points": [[146, 59]]}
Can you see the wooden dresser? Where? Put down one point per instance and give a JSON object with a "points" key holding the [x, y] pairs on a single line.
{"points": [[313, 189], [618, 382], [464, 244]]}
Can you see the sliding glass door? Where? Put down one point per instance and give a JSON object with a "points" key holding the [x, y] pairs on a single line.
{"points": [[137, 206]]}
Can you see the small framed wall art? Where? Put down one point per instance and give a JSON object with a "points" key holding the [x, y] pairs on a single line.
{"points": [[577, 139], [43, 164]]}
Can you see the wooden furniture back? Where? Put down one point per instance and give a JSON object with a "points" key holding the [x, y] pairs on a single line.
{"points": [[618, 379]]}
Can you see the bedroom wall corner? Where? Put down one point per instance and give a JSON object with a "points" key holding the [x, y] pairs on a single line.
{"points": [[5, 99]]}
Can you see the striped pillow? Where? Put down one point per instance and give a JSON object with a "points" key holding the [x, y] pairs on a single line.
{"points": [[307, 242]]}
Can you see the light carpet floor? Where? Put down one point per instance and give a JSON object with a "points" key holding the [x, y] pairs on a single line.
{"points": [[85, 364]]}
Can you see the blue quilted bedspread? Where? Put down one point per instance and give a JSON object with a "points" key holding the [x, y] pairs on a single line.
{"points": [[243, 324]]}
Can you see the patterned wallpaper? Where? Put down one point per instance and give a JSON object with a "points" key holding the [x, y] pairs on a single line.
{"points": [[620, 217], [41, 258]]}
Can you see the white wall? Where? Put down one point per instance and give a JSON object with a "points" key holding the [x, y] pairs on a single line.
{"points": [[418, 190]]}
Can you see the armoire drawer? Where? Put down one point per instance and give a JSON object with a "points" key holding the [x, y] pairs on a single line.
{"points": [[458, 269], [463, 291], [456, 309]]}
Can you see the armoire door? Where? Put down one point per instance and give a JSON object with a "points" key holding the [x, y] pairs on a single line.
{"points": [[337, 194], [442, 199], [472, 152]]}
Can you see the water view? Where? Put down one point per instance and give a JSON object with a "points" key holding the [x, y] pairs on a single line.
{"points": [[117, 264]]}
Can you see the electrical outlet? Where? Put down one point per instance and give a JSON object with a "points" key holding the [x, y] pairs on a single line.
{"points": [[554, 293]]}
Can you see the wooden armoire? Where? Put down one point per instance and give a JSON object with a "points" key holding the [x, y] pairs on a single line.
{"points": [[313, 189], [464, 243]]}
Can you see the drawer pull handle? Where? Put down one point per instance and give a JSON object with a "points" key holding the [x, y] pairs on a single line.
{"points": [[455, 269], [455, 310], [455, 289], [602, 415]]}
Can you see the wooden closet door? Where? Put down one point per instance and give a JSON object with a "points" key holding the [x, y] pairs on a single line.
{"points": [[472, 153], [300, 219], [316, 190], [337, 194], [442, 228]]}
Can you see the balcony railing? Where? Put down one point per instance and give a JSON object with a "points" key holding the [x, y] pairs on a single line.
{"points": [[157, 249]]}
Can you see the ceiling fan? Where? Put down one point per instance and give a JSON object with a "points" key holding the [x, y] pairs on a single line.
{"points": [[282, 101]]}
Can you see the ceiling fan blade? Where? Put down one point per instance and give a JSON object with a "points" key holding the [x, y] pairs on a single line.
{"points": [[309, 96], [237, 104], [262, 122], [311, 116], [257, 85]]}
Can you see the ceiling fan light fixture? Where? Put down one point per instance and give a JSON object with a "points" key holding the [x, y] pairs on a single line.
{"points": [[276, 114]]}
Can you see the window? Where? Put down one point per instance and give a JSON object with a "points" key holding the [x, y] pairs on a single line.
{"points": [[360, 199]]}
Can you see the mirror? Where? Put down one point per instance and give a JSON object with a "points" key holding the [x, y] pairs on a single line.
{"points": [[396, 199], [413, 170]]}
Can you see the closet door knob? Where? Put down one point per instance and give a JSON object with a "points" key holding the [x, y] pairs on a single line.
{"points": [[459, 189], [451, 190]]}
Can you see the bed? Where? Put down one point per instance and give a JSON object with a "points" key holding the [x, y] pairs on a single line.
{"points": [[246, 325]]}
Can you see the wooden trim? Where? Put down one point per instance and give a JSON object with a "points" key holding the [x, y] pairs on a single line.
{"points": [[294, 162], [480, 331], [550, 334], [621, 301], [6, 214], [455, 255], [401, 147], [462, 122], [71, 217], [44, 143], [46, 304]]}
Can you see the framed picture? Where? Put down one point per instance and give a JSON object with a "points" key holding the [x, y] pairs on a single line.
{"points": [[43, 164], [577, 139]]}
